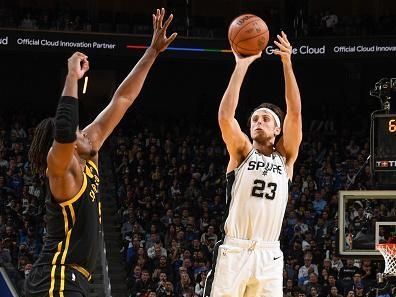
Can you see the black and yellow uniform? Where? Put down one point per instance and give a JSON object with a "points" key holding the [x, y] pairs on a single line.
{"points": [[68, 258]]}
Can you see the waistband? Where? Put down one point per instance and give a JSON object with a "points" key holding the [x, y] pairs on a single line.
{"points": [[82, 270], [251, 244]]}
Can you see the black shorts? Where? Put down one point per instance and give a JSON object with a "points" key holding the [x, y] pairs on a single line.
{"points": [[46, 281]]}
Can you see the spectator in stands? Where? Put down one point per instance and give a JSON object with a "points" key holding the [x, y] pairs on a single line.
{"points": [[200, 283], [169, 289], [166, 220], [328, 268], [319, 203], [127, 227], [368, 273], [156, 251], [301, 294], [300, 226], [5, 255], [327, 285], [313, 282], [346, 274], [184, 286], [350, 294], [334, 292], [134, 277], [307, 238], [209, 236], [161, 285], [357, 282], [336, 263], [143, 285], [306, 269]]}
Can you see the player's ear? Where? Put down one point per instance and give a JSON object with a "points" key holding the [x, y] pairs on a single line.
{"points": [[277, 131]]}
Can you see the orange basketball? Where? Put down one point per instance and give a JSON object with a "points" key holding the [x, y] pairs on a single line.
{"points": [[248, 34]]}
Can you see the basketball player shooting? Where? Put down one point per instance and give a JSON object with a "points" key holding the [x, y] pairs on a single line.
{"points": [[68, 157], [249, 261]]}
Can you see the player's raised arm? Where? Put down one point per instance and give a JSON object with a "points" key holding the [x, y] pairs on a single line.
{"points": [[60, 156], [238, 144], [289, 144], [130, 88]]}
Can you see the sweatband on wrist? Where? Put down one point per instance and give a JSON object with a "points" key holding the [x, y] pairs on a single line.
{"points": [[66, 120]]}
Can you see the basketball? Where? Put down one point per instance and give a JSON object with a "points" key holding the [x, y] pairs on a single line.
{"points": [[248, 34]]}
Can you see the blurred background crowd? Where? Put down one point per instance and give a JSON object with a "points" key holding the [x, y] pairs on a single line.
{"points": [[171, 199]]}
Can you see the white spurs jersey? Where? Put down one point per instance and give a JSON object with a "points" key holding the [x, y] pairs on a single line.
{"points": [[257, 193]]}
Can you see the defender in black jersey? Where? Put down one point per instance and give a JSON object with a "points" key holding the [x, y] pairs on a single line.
{"points": [[68, 158], [69, 254]]}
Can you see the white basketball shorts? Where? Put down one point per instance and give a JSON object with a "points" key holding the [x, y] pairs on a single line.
{"points": [[246, 268]]}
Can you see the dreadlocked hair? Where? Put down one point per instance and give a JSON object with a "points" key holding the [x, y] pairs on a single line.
{"points": [[41, 143]]}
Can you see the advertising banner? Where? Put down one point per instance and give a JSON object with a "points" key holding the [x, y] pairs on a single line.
{"points": [[126, 45]]}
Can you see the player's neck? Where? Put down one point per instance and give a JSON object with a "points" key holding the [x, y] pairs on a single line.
{"points": [[82, 164], [266, 148], [81, 161]]}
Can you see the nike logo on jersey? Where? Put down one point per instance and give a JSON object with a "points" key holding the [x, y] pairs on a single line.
{"points": [[276, 258], [265, 167]]}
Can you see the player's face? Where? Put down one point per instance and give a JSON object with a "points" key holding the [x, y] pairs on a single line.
{"points": [[84, 146], [263, 126]]}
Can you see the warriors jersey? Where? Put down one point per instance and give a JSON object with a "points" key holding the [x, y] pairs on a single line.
{"points": [[257, 193], [73, 228]]}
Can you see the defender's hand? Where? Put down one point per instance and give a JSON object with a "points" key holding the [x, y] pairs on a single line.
{"points": [[78, 65], [160, 42]]}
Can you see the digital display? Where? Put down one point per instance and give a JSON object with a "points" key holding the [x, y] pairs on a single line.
{"points": [[384, 142]]}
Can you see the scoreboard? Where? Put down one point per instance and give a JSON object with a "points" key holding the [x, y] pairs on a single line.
{"points": [[383, 143]]}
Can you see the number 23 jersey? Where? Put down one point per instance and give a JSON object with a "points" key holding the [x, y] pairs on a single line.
{"points": [[257, 193]]}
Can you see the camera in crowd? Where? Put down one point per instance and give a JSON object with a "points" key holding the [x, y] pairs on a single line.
{"points": [[384, 89]]}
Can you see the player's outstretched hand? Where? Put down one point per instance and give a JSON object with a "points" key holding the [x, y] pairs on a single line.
{"points": [[78, 64], [160, 42], [284, 48]]}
